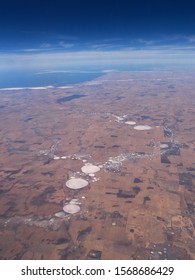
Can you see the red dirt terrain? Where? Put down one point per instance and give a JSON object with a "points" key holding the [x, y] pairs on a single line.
{"points": [[140, 204]]}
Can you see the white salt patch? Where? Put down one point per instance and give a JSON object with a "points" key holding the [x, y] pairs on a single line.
{"points": [[100, 166], [60, 214], [74, 201], [84, 160], [119, 118], [142, 127], [90, 169], [55, 157], [76, 183], [92, 175], [113, 161], [71, 208], [164, 146], [63, 157], [95, 180], [130, 123]]}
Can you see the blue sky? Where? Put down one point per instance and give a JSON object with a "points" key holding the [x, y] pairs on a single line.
{"points": [[50, 33]]}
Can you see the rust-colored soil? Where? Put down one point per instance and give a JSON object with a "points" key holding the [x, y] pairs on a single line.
{"points": [[140, 205]]}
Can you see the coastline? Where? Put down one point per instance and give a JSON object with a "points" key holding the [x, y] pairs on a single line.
{"points": [[29, 82]]}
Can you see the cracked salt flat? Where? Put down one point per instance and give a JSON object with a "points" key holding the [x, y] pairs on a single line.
{"points": [[130, 123], [71, 208], [164, 146], [76, 183], [142, 127], [90, 169]]}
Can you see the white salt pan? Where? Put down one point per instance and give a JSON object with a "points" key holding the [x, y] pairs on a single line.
{"points": [[95, 179], [71, 208], [164, 146], [60, 214], [76, 183], [142, 127], [55, 157], [130, 123], [119, 118], [90, 169], [74, 201]]}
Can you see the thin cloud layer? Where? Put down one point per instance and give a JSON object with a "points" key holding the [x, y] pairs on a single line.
{"points": [[91, 58]]}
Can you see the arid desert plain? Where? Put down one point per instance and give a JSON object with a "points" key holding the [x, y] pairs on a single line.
{"points": [[104, 169]]}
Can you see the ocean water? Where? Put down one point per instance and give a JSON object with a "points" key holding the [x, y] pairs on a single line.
{"points": [[14, 78]]}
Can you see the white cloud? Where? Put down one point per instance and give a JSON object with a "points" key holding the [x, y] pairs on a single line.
{"points": [[65, 45], [99, 58], [38, 50], [101, 46], [65, 71], [45, 46]]}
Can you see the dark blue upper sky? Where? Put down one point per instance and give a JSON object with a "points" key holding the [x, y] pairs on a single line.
{"points": [[69, 34], [27, 25]]}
